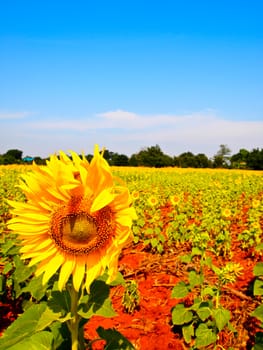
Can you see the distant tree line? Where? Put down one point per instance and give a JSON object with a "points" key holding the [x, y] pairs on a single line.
{"points": [[154, 157]]}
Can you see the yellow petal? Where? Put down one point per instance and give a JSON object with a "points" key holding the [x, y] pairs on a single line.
{"points": [[92, 273], [52, 267], [28, 230], [124, 235], [27, 221], [39, 245], [125, 216], [78, 274], [45, 253], [22, 206], [112, 272], [65, 272], [35, 216], [64, 157], [102, 200]]}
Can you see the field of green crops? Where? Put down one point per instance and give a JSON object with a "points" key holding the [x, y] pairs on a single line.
{"points": [[211, 221]]}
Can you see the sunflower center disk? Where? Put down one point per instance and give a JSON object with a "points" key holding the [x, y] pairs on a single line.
{"points": [[78, 229], [80, 233]]}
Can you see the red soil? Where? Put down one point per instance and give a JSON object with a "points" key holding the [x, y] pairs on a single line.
{"points": [[149, 326]]}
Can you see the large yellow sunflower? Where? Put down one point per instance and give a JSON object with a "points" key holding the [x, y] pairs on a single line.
{"points": [[77, 217]]}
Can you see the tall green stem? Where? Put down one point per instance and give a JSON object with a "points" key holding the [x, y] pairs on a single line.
{"points": [[73, 324], [218, 295], [201, 272]]}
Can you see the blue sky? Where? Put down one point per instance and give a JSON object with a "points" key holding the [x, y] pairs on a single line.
{"points": [[186, 75]]}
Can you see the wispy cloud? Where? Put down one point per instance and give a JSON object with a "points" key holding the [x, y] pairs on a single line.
{"points": [[121, 119], [128, 132], [14, 115]]}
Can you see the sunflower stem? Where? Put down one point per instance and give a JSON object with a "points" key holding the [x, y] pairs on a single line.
{"points": [[74, 321]]}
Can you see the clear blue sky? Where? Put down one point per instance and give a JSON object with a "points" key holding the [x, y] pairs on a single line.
{"points": [[187, 75]]}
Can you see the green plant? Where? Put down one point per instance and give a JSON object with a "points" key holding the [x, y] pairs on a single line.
{"points": [[258, 312], [131, 296], [45, 323], [205, 317]]}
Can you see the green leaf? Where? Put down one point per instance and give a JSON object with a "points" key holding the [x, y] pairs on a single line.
{"points": [[2, 284], [35, 288], [204, 336], [136, 238], [98, 302], [208, 261], [180, 290], [216, 270], [196, 251], [22, 271], [196, 304], [154, 242], [35, 319], [119, 280], [209, 291], [59, 302], [8, 267], [231, 328], [258, 287], [6, 246], [188, 332], [204, 311], [186, 258], [181, 315], [149, 231], [221, 316], [258, 341], [24, 326], [194, 279], [258, 269], [258, 313], [39, 341], [49, 316], [61, 335], [140, 222], [160, 248], [114, 339], [259, 246]]}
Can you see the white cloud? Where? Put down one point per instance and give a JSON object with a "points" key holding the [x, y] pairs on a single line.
{"points": [[127, 132], [120, 119], [14, 115]]}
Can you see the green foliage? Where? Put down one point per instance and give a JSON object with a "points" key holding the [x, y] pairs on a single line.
{"points": [[258, 341], [97, 303], [206, 317], [131, 296], [255, 159], [200, 322], [197, 218], [12, 156], [153, 156], [114, 340], [258, 283], [41, 323], [16, 274], [258, 312], [30, 323], [40, 341]]}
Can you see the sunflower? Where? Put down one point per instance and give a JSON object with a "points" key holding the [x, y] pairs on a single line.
{"points": [[152, 200], [226, 213], [174, 200], [76, 219], [135, 195]]}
